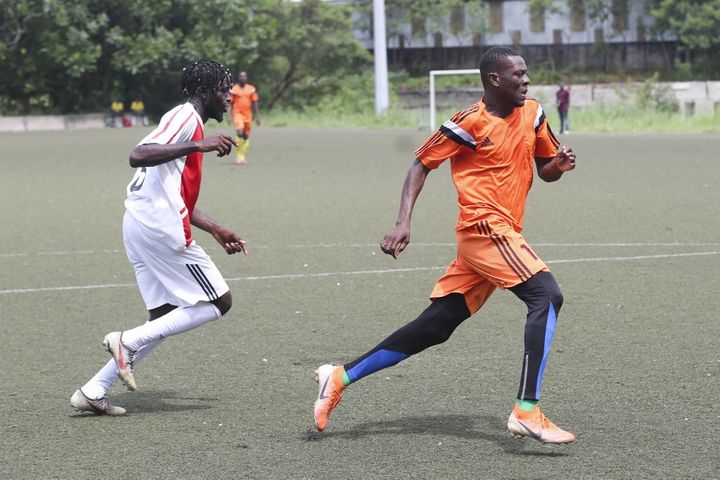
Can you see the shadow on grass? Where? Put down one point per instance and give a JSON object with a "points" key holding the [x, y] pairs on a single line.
{"points": [[158, 401], [489, 428]]}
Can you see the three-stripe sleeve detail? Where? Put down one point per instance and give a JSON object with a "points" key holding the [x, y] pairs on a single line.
{"points": [[203, 281], [457, 134], [539, 119]]}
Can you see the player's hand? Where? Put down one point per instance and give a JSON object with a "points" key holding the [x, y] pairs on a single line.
{"points": [[564, 159], [395, 242], [230, 241], [217, 143]]}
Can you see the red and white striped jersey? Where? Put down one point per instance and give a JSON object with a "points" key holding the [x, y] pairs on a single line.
{"points": [[163, 197]]}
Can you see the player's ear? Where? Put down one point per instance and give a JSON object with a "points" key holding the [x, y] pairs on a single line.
{"points": [[494, 79]]}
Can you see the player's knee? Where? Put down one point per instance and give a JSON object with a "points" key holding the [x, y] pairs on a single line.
{"points": [[438, 322], [224, 303], [553, 291]]}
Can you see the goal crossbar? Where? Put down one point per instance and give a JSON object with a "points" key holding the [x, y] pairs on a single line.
{"points": [[433, 74]]}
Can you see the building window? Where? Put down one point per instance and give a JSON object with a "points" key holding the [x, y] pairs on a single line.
{"points": [[496, 17], [620, 12], [477, 39], [537, 19], [516, 36], [401, 41], [577, 15], [438, 39], [557, 36], [417, 27], [599, 35], [457, 19], [641, 31]]}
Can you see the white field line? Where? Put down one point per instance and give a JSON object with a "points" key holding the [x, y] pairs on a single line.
{"points": [[360, 272], [376, 245]]}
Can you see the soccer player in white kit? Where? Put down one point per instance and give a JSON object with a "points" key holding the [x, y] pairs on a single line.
{"points": [[180, 285]]}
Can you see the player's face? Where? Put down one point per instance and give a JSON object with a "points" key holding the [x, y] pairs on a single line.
{"points": [[219, 102], [514, 81]]}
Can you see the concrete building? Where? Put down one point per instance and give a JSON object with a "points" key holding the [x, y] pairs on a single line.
{"points": [[567, 34]]}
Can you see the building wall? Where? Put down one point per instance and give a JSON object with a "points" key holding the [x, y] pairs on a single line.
{"points": [[515, 28], [628, 56]]}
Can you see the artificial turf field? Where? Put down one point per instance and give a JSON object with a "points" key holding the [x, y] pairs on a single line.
{"points": [[632, 235]]}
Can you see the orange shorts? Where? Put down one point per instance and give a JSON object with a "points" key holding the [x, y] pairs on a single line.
{"points": [[490, 255], [242, 122]]}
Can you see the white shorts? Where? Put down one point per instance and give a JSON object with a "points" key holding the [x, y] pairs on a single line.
{"points": [[164, 275]]}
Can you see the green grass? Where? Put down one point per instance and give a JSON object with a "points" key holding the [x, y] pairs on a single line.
{"points": [[618, 118], [608, 118], [631, 235]]}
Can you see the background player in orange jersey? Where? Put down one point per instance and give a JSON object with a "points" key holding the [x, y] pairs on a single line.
{"points": [[491, 146], [245, 100]]}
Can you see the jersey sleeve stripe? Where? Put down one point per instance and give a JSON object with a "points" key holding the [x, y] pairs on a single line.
{"points": [[552, 136], [433, 140], [458, 117], [455, 133], [160, 132], [539, 122], [181, 127], [539, 117]]}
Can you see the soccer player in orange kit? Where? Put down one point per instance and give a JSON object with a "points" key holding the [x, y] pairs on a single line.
{"points": [[491, 146], [244, 98]]}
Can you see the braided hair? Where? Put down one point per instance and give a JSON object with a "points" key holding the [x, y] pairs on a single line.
{"points": [[204, 74]]}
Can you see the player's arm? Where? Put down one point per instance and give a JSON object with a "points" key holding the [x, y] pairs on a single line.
{"points": [[551, 169], [230, 241], [151, 154], [399, 237]]}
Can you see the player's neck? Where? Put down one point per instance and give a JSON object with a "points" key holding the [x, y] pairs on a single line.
{"points": [[199, 107], [497, 109]]}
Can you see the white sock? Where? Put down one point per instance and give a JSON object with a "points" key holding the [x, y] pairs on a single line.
{"points": [[177, 321], [98, 386]]}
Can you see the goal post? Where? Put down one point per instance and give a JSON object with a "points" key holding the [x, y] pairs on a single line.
{"points": [[433, 74]]}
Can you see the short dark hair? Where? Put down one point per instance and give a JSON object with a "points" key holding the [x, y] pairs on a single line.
{"points": [[204, 74], [491, 60]]}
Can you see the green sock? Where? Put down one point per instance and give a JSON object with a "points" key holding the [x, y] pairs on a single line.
{"points": [[346, 379], [526, 405]]}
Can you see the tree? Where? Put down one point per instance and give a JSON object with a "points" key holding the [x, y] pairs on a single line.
{"points": [[74, 56], [696, 23], [306, 53]]}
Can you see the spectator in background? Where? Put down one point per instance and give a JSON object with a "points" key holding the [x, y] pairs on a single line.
{"points": [[562, 98], [117, 109], [138, 110]]}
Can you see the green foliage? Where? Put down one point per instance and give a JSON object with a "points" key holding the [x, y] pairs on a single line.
{"points": [[305, 57], [428, 16], [649, 96], [696, 23], [85, 54]]}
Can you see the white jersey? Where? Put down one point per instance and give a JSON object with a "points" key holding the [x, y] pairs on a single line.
{"points": [[162, 198]]}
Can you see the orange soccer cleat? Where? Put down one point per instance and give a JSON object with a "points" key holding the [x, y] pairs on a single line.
{"points": [[330, 379], [535, 424]]}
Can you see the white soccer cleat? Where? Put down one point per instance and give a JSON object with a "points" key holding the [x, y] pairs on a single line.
{"points": [[123, 358], [101, 406]]}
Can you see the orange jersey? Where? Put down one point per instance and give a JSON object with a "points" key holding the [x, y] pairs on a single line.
{"points": [[491, 159], [242, 99]]}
